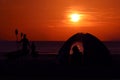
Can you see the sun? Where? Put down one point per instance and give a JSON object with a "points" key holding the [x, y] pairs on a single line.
{"points": [[75, 17]]}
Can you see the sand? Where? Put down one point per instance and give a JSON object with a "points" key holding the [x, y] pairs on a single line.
{"points": [[45, 65]]}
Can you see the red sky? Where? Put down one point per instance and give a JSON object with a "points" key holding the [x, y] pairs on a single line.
{"points": [[47, 19]]}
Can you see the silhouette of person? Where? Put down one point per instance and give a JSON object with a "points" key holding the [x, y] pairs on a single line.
{"points": [[33, 49], [25, 44], [76, 57]]}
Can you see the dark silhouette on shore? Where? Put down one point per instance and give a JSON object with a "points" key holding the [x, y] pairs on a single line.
{"points": [[25, 44], [26, 47], [76, 57], [95, 52]]}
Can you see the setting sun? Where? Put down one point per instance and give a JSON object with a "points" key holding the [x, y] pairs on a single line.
{"points": [[75, 17]]}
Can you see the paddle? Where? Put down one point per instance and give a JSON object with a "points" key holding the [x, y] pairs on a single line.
{"points": [[16, 33], [21, 35]]}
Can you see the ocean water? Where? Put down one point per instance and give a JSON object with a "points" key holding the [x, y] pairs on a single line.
{"points": [[50, 47]]}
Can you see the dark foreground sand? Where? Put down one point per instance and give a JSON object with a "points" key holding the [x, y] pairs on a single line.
{"points": [[45, 66]]}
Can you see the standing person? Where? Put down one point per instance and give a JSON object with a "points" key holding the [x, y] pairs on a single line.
{"points": [[76, 58], [25, 44]]}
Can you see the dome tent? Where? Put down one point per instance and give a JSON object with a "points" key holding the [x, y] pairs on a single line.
{"points": [[95, 52]]}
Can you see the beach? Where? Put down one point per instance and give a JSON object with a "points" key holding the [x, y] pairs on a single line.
{"points": [[46, 64]]}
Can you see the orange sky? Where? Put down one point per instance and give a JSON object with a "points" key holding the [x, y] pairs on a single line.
{"points": [[47, 19]]}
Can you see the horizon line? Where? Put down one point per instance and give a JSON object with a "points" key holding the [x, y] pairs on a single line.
{"points": [[55, 40]]}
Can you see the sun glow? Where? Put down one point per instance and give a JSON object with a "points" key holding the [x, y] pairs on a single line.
{"points": [[75, 17]]}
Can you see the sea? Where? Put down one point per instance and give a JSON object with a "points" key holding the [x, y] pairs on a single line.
{"points": [[50, 47]]}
